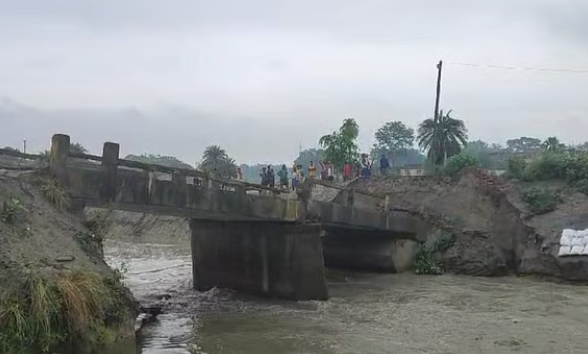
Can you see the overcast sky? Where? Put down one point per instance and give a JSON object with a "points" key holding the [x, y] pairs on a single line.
{"points": [[260, 77]]}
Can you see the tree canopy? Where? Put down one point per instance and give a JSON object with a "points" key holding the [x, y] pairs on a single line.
{"points": [[442, 137], [341, 146], [394, 136], [216, 160]]}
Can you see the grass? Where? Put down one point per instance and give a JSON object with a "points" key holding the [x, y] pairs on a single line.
{"points": [[540, 200], [43, 314], [12, 210], [55, 194]]}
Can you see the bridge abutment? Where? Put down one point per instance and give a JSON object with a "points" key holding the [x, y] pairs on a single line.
{"points": [[273, 259]]}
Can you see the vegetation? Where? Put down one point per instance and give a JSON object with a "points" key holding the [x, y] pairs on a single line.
{"points": [[442, 137], [425, 262], [56, 194], [457, 163], [540, 200], [12, 210], [75, 148], [552, 144], [341, 146], [47, 314], [216, 161]]}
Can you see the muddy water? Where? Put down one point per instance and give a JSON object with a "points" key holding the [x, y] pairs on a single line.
{"points": [[367, 313]]}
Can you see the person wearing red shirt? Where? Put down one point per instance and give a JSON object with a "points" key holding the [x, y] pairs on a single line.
{"points": [[347, 172]]}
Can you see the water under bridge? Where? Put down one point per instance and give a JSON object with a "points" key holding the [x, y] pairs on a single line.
{"points": [[248, 237]]}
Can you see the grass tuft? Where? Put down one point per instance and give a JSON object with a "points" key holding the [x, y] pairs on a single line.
{"points": [[56, 194]]}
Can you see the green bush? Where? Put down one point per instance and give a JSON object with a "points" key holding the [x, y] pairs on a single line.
{"points": [[582, 186], [444, 241], [425, 262], [458, 162], [540, 200], [516, 167], [571, 167], [12, 210], [41, 315]]}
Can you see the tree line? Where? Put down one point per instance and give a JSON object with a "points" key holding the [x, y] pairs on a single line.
{"points": [[436, 143]]}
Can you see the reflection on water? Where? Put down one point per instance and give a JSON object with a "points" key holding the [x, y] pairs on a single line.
{"points": [[367, 313]]}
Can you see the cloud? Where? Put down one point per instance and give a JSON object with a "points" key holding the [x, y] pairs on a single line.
{"points": [[260, 77]]}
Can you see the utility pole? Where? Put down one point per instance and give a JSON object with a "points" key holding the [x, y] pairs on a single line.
{"points": [[439, 68], [24, 146]]}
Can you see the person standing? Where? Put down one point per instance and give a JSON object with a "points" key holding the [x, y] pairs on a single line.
{"points": [[263, 176], [384, 165], [324, 170], [312, 170], [271, 176], [347, 172], [239, 174], [283, 176], [294, 176]]}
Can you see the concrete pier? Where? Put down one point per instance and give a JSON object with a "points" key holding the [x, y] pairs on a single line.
{"points": [[265, 258]]}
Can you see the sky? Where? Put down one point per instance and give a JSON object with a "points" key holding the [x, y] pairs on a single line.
{"points": [[262, 77]]}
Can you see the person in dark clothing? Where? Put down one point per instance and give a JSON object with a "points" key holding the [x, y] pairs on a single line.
{"points": [[283, 175], [263, 175], [271, 177], [384, 165]]}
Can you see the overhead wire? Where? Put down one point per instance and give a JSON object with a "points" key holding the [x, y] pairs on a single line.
{"points": [[489, 66]]}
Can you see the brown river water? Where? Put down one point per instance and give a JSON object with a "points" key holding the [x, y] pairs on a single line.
{"points": [[367, 313]]}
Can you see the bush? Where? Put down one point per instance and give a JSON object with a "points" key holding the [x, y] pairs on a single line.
{"points": [[582, 186], [41, 315], [540, 201], [458, 162], [516, 167], [444, 241], [12, 210], [571, 167], [55, 194], [425, 262]]}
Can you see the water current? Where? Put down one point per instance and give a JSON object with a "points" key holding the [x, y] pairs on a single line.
{"points": [[366, 314]]}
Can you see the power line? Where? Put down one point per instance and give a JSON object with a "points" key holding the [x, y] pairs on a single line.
{"points": [[571, 71]]}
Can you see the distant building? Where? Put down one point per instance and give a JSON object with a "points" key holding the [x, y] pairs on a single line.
{"points": [[412, 170]]}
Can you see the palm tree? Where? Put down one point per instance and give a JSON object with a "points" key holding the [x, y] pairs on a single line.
{"points": [[216, 160], [78, 148], [552, 144], [442, 137]]}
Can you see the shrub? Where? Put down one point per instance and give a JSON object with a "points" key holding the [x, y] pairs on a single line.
{"points": [[12, 210], [425, 262], [444, 241], [458, 162], [55, 194], [540, 200], [42, 314], [516, 167], [582, 186]]}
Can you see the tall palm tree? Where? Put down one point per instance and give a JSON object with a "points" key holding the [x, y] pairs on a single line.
{"points": [[552, 144], [442, 137], [215, 159]]}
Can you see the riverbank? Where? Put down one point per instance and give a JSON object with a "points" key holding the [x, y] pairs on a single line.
{"points": [[58, 294]]}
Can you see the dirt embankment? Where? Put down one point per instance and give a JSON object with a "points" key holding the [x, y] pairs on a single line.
{"points": [[50, 260], [494, 232]]}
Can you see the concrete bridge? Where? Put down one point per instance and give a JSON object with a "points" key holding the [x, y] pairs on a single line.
{"points": [[245, 236]]}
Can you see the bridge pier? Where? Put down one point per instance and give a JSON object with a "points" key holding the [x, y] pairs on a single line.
{"points": [[267, 258]]}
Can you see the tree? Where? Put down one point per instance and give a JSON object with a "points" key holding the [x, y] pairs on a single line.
{"points": [[524, 144], [392, 138], [552, 144], [11, 149], [341, 146], [77, 148], [216, 160], [308, 155], [442, 137]]}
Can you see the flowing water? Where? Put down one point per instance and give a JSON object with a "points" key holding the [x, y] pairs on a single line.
{"points": [[367, 313]]}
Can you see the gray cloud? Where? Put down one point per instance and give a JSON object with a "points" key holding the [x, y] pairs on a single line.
{"points": [[260, 77]]}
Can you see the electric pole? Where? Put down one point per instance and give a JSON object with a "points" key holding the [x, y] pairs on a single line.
{"points": [[439, 68], [24, 146]]}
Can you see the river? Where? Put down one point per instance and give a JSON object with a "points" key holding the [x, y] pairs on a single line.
{"points": [[366, 314]]}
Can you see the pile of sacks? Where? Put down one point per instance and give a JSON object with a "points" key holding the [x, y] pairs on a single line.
{"points": [[573, 243]]}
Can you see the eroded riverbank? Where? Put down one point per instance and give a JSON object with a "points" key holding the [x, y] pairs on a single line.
{"points": [[367, 313]]}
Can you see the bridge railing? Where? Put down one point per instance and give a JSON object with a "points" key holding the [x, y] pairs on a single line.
{"points": [[60, 156]]}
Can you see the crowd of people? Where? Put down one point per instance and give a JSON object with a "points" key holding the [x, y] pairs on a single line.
{"points": [[325, 171]]}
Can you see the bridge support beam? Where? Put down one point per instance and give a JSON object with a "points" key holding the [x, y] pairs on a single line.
{"points": [[358, 250], [272, 259]]}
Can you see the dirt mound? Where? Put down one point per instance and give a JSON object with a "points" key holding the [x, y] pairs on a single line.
{"points": [[494, 232], [50, 260]]}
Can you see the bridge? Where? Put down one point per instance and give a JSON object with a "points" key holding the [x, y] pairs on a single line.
{"points": [[245, 236]]}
